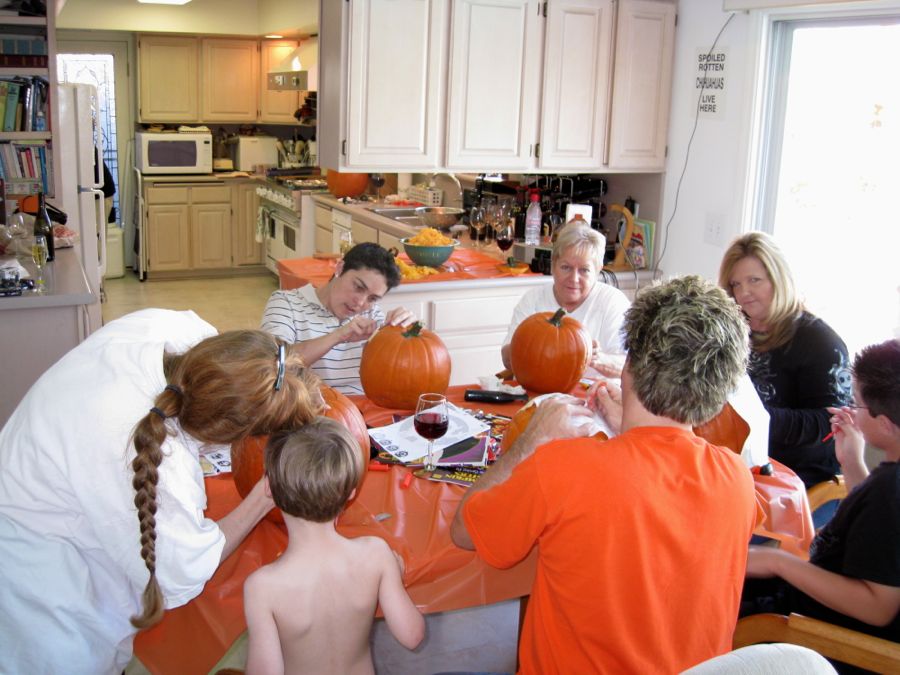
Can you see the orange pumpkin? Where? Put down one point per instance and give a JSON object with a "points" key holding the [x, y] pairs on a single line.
{"points": [[248, 455], [549, 352], [346, 184], [521, 419], [399, 364], [727, 429]]}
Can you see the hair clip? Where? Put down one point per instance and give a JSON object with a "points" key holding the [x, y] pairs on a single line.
{"points": [[279, 378]]}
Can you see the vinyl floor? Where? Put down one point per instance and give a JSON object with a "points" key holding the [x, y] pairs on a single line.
{"points": [[481, 639]]}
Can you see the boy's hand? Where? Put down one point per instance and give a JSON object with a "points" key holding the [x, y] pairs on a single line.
{"points": [[762, 561], [358, 328], [399, 316], [849, 445]]}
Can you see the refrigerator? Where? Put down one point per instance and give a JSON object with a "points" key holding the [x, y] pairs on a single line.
{"points": [[79, 192]]}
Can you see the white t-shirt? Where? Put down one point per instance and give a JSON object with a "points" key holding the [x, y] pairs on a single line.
{"points": [[298, 315], [71, 573], [601, 314]]}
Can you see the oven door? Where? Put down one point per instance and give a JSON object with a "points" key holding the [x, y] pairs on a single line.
{"points": [[282, 239]]}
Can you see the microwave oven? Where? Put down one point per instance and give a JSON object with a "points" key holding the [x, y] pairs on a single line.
{"points": [[173, 153]]}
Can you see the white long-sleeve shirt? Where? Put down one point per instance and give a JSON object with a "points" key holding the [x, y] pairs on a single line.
{"points": [[71, 573]]}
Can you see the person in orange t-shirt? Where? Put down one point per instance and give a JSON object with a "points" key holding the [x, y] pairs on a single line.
{"points": [[642, 539]]}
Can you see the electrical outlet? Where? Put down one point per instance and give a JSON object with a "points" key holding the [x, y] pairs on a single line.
{"points": [[714, 232]]}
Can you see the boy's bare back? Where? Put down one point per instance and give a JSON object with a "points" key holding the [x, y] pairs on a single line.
{"points": [[318, 602]]}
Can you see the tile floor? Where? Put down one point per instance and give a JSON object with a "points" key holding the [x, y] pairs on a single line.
{"points": [[477, 639]]}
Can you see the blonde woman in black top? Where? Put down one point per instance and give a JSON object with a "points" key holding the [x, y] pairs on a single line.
{"points": [[798, 364]]}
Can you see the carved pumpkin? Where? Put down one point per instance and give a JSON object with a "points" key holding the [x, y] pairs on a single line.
{"points": [[549, 352], [399, 364], [521, 419], [346, 184], [248, 455], [727, 429]]}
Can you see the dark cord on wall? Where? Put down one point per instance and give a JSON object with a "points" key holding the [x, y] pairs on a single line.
{"points": [[687, 152]]}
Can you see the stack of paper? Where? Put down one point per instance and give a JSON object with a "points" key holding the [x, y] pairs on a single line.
{"points": [[465, 442]]}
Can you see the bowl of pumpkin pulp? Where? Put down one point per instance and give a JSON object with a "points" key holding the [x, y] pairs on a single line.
{"points": [[429, 247]]}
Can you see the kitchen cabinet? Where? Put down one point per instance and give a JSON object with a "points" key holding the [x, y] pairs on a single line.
{"points": [[530, 86], [230, 80], [495, 55], [169, 78], [642, 85], [188, 227], [323, 242], [245, 249], [362, 232], [381, 83], [276, 106]]}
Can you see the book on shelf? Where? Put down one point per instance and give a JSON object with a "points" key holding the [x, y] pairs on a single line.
{"points": [[12, 102], [22, 101], [26, 165]]}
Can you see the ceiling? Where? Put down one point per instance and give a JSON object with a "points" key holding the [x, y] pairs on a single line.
{"points": [[290, 18]]}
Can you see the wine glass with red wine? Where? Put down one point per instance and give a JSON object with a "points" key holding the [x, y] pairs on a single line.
{"points": [[431, 422], [504, 235]]}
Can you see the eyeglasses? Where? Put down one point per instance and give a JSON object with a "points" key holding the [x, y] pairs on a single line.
{"points": [[279, 378]]}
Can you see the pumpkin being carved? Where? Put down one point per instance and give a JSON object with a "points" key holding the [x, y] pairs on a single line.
{"points": [[248, 455], [523, 416], [399, 364], [549, 352]]}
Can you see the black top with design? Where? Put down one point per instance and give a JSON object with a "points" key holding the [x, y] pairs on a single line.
{"points": [[796, 382], [861, 541]]}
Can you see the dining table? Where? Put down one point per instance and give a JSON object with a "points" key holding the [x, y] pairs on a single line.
{"points": [[413, 515]]}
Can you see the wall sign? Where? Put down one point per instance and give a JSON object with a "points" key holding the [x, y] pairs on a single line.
{"points": [[711, 69]]}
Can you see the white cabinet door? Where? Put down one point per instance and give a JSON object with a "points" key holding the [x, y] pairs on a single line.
{"points": [[230, 80], [495, 62], [395, 95], [577, 69], [642, 84]]}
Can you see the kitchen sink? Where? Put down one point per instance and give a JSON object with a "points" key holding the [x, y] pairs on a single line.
{"points": [[397, 213]]}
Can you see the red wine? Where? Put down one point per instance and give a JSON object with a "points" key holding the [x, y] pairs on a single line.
{"points": [[504, 244], [431, 425]]}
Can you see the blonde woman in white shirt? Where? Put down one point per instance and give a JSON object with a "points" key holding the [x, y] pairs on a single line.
{"points": [[576, 261]]}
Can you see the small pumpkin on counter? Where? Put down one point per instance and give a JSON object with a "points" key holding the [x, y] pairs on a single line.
{"points": [[399, 364], [549, 352], [248, 455], [346, 184]]}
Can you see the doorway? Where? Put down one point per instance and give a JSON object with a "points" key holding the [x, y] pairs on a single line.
{"points": [[106, 65]]}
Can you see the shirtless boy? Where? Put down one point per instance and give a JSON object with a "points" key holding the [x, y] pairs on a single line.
{"points": [[312, 609]]}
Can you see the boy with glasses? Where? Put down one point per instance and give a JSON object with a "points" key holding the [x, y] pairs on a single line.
{"points": [[853, 574]]}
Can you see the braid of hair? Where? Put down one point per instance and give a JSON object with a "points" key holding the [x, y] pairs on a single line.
{"points": [[148, 437]]}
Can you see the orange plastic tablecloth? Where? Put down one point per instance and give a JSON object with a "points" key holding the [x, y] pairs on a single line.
{"points": [[415, 521], [463, 264]]}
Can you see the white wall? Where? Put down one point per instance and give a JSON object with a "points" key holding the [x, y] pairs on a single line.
{"points": [[713, 185]]}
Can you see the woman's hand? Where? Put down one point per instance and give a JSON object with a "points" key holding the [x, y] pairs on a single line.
{"points": [[356, 329], [605, 398], [608, 365], [399, 316], [849, 445]]}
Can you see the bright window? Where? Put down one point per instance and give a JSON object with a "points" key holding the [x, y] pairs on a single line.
{"points": [[830, 168]]}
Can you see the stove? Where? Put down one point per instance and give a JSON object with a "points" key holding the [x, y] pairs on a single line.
{"points": [[287, 212]]}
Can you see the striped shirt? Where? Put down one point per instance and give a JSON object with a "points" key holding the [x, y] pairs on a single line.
{"points": [[298, 315]]}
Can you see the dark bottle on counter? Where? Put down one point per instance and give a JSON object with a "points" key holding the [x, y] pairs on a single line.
{"points": [[42, 225]]}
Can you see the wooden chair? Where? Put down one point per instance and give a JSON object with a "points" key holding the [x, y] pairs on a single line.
{"points": [[831, 641], [826, 491]]}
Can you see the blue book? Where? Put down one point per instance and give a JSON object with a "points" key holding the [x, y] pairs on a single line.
{"points": [[12, 102]]}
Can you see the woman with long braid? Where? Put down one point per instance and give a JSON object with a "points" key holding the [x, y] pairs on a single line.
{"points": [[101, 490]]}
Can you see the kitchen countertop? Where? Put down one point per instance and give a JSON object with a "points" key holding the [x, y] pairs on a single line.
{"points": [[64, 282], [203, 177], [362, 211]]}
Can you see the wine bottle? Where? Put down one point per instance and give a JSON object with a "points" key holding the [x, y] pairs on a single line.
{"points": [[43, 225]]}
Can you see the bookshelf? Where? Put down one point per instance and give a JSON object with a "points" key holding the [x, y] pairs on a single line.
{"points": [[28, 84]]}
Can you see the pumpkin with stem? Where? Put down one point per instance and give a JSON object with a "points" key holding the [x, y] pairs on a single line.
{"points": [[248, 455], [520, 421], [399, 364], [549, 352]]}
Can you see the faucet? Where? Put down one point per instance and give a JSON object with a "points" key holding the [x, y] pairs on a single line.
{"points": [[459, 196]]}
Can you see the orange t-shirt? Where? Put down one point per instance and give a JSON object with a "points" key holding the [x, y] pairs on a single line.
{"points": [[642, 550]]}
